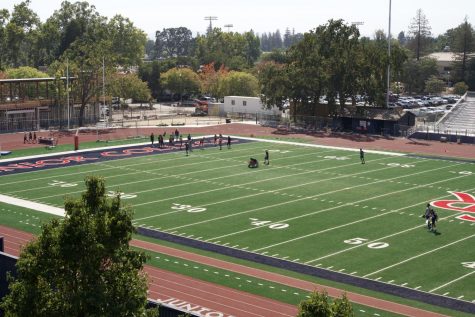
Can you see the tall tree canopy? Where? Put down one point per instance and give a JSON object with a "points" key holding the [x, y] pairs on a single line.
{"points": [[181, 81], [419, 33], [235, 51], [174, 42], [83, 265], [462, 41]]}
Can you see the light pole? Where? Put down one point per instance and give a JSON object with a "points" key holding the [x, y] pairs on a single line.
{"points": [[181, 89], [448, 78], [389, 56]]}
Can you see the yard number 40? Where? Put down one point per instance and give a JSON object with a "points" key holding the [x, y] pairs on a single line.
{"points": [[470, 265], [373, 245]]}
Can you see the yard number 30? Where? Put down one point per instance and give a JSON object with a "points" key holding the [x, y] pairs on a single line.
{"points": [[187, 208]]}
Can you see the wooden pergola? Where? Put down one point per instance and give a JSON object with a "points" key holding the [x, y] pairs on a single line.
{"points": [[24, 99]]}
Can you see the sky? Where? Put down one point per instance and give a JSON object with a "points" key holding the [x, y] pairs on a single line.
{"points": [[270, 15]]}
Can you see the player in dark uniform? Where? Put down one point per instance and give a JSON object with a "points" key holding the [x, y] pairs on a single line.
{"points": [[266, 157], [427, 216], [362, 156], [152, 138], [187, 147], [433, 219], [229, 142]]}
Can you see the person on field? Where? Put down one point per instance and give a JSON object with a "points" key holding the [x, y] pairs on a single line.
{"points": [[220, 142], [266, 157], [362, 156], [152, 138], [30, 138], [187, 147], [34, 137], [181, 141], [160, 141], [202, 142], [433, 219], [427, 216], [253, 163], [215, 140], [229, 142], [177, 134], [25, 138]]}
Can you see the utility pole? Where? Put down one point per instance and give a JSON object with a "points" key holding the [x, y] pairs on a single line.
{"points": [[389, 56], [67, 89], [229, 26], [210, 19]]}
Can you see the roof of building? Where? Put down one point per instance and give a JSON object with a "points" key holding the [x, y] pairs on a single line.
{"points": [[394, 114], [31, 80], [446, 56]]}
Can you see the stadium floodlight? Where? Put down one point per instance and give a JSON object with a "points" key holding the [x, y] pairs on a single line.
{"points": [[210, 19], [229, 26]]}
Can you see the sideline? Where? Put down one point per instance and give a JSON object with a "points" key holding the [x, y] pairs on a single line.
{"points": [[32, 205]]}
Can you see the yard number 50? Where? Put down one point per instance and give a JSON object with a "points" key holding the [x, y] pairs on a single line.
{"points": [[374, 245]]}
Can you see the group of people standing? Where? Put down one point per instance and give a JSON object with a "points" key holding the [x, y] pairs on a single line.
{"points": [[29, 137], [177, 138]]}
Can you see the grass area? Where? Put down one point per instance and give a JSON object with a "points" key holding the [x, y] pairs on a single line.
{"points": [[315, 206]]}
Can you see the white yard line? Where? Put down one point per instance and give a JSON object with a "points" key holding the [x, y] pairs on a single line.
{"points": [[453, 281], [260, 193], [331, 208], [165, 176], [31, 205], [381, 238], [323, 146], [109, 167], [419, 255]]}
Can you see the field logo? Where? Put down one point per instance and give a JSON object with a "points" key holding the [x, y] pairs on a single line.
{"points": [[464, 203]]}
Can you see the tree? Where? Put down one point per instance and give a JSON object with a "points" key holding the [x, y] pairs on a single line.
{"points": [[287, 38], [274, 83], [129, 86], [434, 85], [4, 16], [174, 42], [181, 81], [401, 38], [211, 79], [235, 51], [83, 265], [21, 34], [419, 31], [415, 73], [460, 88], [25, 72], [341, 307], [316, 306], [150, 73], [127, 41], [239, 84], [462, 40]]}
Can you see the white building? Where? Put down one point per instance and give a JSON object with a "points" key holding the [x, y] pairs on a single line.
{"points": [[246, 105]]}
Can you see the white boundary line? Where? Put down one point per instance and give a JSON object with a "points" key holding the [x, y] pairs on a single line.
{"points": [[453, 281], [419, 255], [32, 205]]}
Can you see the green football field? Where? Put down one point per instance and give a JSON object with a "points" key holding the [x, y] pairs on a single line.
{"points": [[311, 205]]}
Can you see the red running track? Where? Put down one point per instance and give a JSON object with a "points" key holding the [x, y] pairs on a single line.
{"points": [[185, 292], [222, 299]]}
